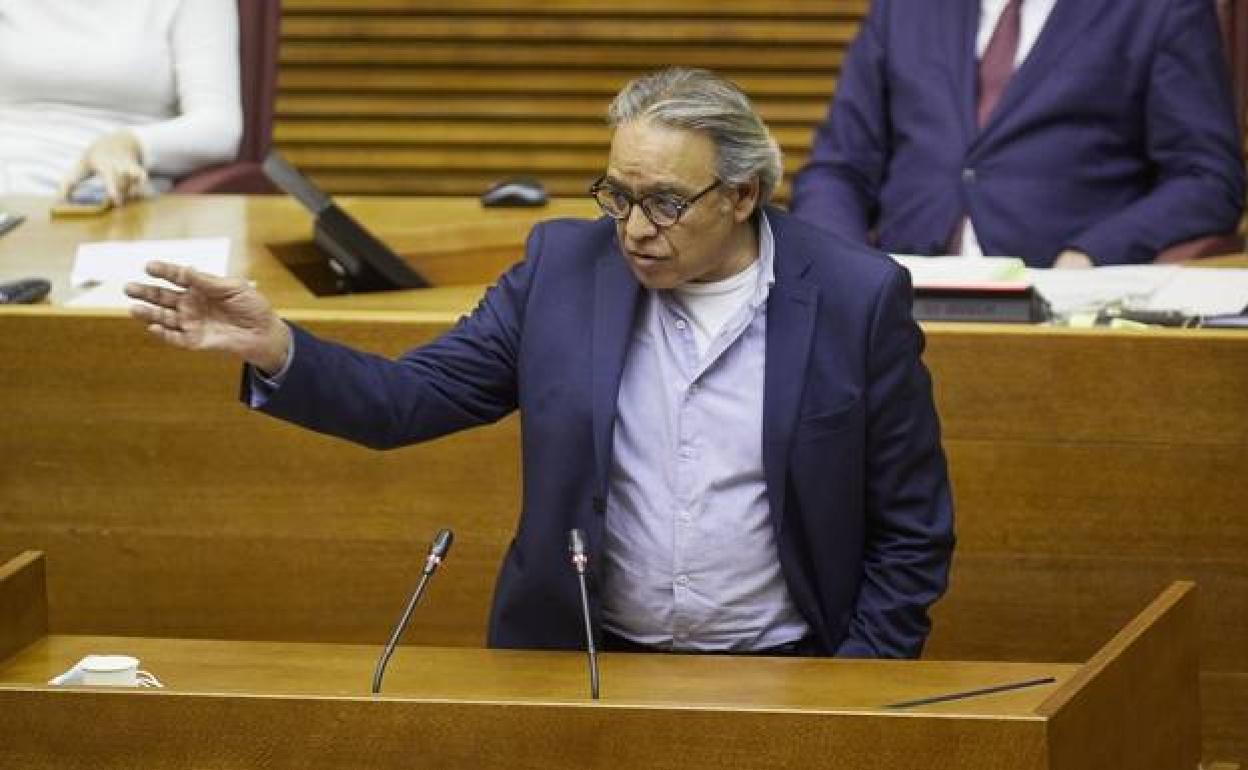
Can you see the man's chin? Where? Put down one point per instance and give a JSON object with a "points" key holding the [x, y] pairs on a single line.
{"points": [[650, 279], [653, 273]]}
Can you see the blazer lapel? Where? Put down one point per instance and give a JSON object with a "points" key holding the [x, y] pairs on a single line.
{"points": [[961, 27], [1062, 29], [791, 309], [615, 303]]}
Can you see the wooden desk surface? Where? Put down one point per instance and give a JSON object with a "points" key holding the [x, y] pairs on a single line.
{"points": [[808, 684], [455, 242], [528, 711]]}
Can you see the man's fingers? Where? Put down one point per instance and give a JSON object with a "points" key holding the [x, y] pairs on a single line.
{"points": [[178, 275], [190, 278], [143, 313], [212, 284], [157, 295], [173, 337], [163, 317]]}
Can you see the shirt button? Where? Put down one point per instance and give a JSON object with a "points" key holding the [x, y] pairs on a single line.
{"points": [[686, 516], [680, 324], [968, 175], [682, 580]]}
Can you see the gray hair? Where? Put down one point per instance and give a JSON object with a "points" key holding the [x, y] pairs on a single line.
{"points": [[699, 100]]}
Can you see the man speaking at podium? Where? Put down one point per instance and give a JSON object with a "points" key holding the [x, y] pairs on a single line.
{"points": [[729, 403]]}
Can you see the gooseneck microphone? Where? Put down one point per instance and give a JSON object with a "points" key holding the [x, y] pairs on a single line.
{"points": [[576, 549], [437, 552]]}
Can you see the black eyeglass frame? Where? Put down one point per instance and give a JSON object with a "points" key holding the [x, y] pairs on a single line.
{"points": [[682, 204]]}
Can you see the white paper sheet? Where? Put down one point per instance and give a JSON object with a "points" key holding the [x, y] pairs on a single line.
{"points": [[102, 268], [121, 261], [111, 294], [1203, 291], [1079, 291], [1190, 290]]}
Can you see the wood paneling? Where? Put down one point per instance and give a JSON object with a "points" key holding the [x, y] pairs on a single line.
{"points": [[404, 96], [788, 9], [1223, 706], [1133, 704], [23, 602], [508, 54]]}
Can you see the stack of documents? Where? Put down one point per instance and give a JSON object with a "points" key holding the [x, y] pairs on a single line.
{"points": [[1200, 291], [962, 271], [1189, 290]]}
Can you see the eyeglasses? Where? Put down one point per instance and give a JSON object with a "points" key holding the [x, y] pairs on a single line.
{"points": [[662, 209]]}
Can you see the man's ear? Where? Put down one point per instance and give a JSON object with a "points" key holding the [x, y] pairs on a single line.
{"points": [[747, 195]]}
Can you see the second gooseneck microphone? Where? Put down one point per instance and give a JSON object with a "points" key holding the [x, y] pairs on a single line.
{"points": [[437, 552], [576, 550]]}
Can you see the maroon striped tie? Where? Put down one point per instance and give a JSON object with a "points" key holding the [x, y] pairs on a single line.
{"points": [[996, 66]]}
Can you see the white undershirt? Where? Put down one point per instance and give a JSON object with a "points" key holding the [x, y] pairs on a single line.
{"points": [[709, 305], [1031, 21], [72, 71]]}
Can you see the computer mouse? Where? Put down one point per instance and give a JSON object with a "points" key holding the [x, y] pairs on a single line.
{"points": [[515, 192]]}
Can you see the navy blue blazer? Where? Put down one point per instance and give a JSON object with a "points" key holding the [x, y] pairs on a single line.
{"points": [[856, 477], [1116, 136]]}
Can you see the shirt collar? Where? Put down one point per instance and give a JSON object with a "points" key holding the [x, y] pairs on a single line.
{"points": [[766, 260]]}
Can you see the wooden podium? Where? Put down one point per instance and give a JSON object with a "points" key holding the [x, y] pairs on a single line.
{"points": [[1090, 467], [236, 704]]}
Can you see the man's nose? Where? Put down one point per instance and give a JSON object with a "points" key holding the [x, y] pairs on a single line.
{"points": [[637, 225]]}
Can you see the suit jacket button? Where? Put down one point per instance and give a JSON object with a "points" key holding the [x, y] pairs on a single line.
{"points": [[968, 175]]}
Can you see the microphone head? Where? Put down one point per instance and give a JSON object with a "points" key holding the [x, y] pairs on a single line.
{"points": [[442, 543], [576, 542]]}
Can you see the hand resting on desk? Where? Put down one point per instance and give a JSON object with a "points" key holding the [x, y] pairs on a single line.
{"points": [[116, 159], [1072, 260], [208, 312]]}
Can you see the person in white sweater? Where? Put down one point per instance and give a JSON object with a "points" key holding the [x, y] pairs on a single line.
{"points": [[126, 94]]}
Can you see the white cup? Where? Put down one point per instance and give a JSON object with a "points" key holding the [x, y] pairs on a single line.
{"points": [[115, 670]]}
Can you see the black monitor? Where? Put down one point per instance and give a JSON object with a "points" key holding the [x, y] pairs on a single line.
{"points": [[360, 261]]}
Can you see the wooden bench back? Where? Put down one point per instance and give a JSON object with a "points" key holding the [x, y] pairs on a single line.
{"points": [[423, 97]]}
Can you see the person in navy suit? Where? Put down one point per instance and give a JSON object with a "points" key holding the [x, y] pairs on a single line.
{"points": [[1067, 132], [730, 403]]}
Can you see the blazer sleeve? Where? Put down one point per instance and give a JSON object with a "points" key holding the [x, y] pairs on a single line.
{"points": [[464, 378], [909, 528], [1193, 142], [838, 188]]}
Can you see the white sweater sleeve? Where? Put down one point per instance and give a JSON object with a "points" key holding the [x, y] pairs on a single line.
{"points": [[209, 123]]}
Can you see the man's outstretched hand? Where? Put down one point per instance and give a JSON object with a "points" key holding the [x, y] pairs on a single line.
{"points": [[207, 312]]}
